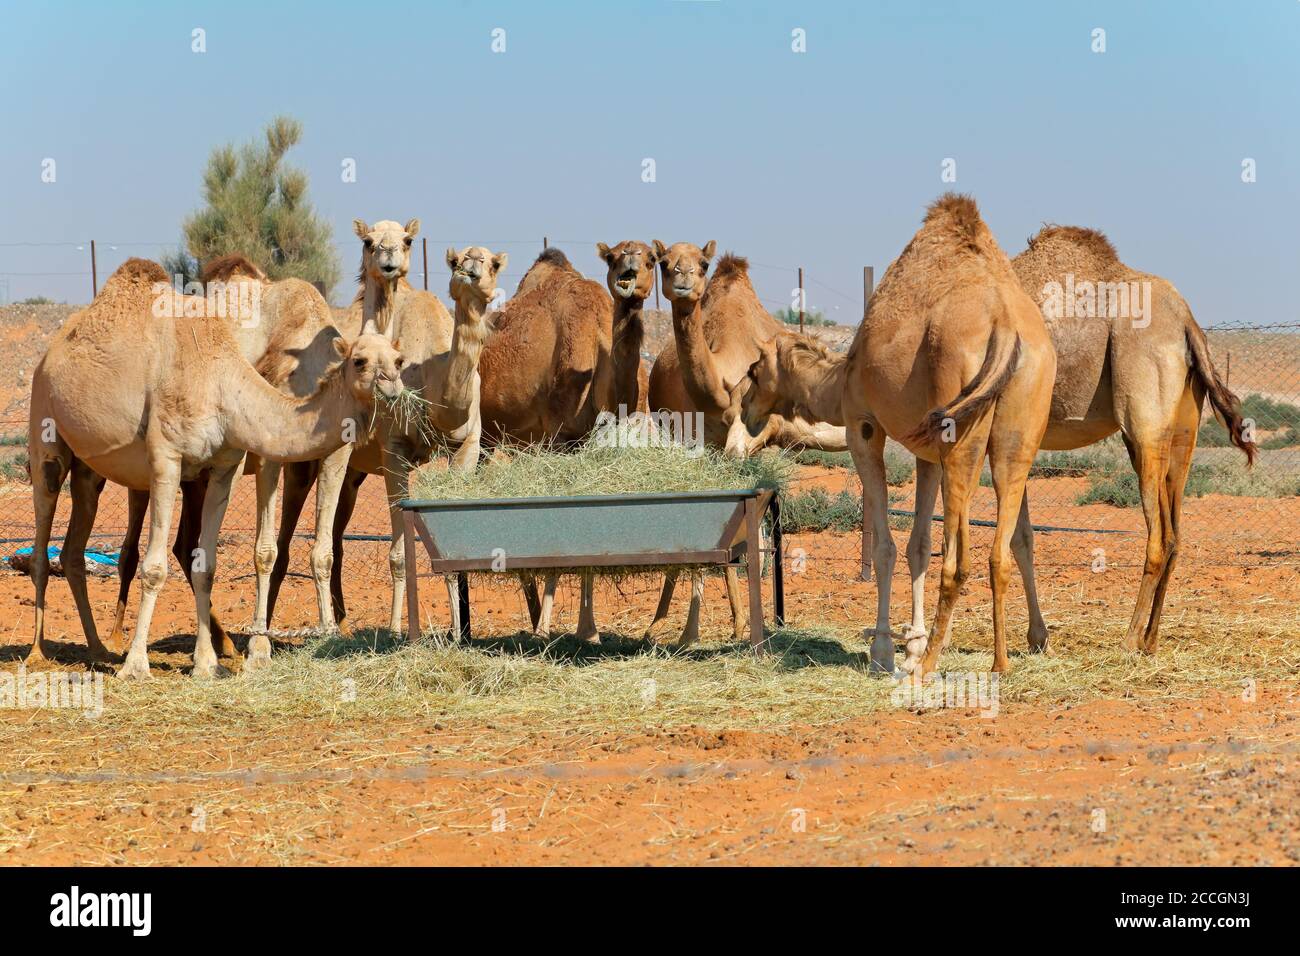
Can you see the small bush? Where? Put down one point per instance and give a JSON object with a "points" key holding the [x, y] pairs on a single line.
{"points": [[791, 317], [816, 510], [37, 300], [1119, 487]]}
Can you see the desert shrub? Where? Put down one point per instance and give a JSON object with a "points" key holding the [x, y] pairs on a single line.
{"points": [[817, 510], [258, 207], [1120, 486], [1268, 415], [791, 317], [36, 300]]}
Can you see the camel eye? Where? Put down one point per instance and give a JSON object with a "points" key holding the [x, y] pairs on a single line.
{"points": [[408, 241], [358, 363], [368, 243], [399, 363]]}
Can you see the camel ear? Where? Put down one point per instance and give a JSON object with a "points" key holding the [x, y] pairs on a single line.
{"points": [[660, 250], [499, 262], [709, 248], [602, 250], [341, 347], [360, 228], [413, 228], [451, 259]]}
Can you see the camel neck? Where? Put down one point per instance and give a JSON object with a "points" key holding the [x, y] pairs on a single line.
{"points": [[629, 333], [699, 369], [819, 387], [378, 303], [468, 337], [265, 421]]}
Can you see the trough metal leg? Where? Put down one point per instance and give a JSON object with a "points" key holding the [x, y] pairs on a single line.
{"points": [[754, 573], [412, 578], [462, 592]]}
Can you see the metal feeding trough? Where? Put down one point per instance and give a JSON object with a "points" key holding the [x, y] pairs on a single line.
{"points": [[709, 528]]}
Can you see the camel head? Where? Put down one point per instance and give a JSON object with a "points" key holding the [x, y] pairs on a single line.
{"points": [[763, 378], [372, 366], [385, 250], [685, 268], [474, 273], [631, 269]]}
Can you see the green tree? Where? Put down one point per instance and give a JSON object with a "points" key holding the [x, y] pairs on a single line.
{"points": [[257, 206]]}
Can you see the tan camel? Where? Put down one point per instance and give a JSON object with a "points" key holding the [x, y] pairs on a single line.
{"points": [[183, 400], [953, 360], [442, 358], [1130, 358], [284, 329], [716, 337]]}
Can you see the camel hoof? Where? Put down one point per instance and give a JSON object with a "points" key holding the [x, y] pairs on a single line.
{"points": [[589, 637], [134, 670], [259, 653], [116, 642], [209, 671], [882, 653]]}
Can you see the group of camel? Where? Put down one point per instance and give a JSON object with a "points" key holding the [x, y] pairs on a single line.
{"points": [[955, 359]]}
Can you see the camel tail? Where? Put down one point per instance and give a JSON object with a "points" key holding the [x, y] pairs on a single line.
{"points": [[999, 365], [1225, 402]]}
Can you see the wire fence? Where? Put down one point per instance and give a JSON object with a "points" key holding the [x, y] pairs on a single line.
{"points": [[1084, 504]]}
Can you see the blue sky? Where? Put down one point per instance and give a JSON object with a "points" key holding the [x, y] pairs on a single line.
{"points": [[824, 159]]}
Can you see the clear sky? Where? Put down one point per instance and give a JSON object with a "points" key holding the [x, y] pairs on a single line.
{"points": [[824, 159]]}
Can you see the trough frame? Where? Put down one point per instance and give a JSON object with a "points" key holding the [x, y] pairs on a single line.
{"points": [[750, 508]]}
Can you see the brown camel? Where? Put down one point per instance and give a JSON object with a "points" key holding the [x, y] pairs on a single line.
{"points": [[1144, 373], [183, 399], [631, 279], [953, 360], [442, 359]]}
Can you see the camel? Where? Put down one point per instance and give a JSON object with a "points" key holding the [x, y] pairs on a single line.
{"points": [[1144, 375], [630, 278], [282, 328], [716, 338], [954, 361], [442, 358], [183, 400]]}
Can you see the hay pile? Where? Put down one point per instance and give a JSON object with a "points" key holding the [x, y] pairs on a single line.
{"points": [[601, 466]]}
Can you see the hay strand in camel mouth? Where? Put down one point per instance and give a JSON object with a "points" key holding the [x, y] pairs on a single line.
{"points": [[409, 412]]}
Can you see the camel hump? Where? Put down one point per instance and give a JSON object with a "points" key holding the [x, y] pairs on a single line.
{"points": [[731, 264], [136, 270], [553, 256], [958, 214], [225, 268], [1093, 240]]}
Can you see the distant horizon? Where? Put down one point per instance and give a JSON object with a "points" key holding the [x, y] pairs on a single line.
{"points": [[824, 159]]}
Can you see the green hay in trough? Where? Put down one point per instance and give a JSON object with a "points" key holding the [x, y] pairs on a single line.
{"points": [[600, 468], [608, 463]]}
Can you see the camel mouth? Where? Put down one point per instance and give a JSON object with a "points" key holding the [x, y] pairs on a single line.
{"points": [[681, 293], [625, 285]]}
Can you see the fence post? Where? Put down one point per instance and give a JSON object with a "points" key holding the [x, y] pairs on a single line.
{"points": [[801, 300], [868, 286], [656, 275], [424, 246], [94, 271], [545, 243]]}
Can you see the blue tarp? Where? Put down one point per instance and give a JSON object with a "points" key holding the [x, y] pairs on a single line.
{"points": [[108, 558]]}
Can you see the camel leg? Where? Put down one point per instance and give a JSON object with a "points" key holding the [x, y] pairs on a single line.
{"points": [[352, 483], [1183, 444], [739, 612], [961, 468], [204, 569], [691, 633], [919, 543], [329, 488], [187, 542], [453, 601], [299, 476], [1022, 546], [86, 488], [528, 583], [50, 464], [587, 630], [1150, 459], [665, 602], [1009, 462], [128, 562], [543, 626], [163, 484], [265, 551], [869, 458]]}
